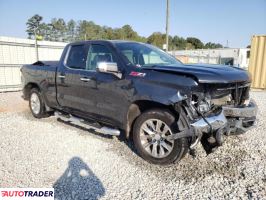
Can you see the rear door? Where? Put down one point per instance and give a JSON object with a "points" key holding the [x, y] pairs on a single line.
{"points": [[75, 83]]}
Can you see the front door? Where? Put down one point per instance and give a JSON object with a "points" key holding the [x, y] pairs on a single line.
{"points": [[75, 83], [112, 91]]}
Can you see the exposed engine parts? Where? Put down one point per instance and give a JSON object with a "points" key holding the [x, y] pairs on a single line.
{"points": [[219, 112]]}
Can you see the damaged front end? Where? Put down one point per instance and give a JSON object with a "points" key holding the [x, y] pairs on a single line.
{"points": [[222, 109]]}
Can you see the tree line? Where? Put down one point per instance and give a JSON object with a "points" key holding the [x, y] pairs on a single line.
{"points": [[60, 30]]}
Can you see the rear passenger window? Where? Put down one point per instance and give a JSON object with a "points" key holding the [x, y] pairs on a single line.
{"points": [[98, 53], [77, 57]]}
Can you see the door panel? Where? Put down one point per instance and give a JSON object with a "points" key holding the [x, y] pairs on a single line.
{"points": [[113, 97], [74, 93], [108, 96], [76, 85]]}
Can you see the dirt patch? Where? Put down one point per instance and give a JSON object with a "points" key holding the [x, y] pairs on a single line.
{"points": [[12, 102], [2, 109]]}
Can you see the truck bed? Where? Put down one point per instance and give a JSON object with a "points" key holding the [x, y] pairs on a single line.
{"points": [[42, 73], [46, 63]]}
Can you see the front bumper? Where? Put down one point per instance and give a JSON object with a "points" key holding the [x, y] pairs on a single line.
{"points": [[210, 130], [242, 119], [231, 121], [242, 112]]}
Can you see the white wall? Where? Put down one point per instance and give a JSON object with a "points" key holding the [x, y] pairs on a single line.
{"points": [[14, 52]]}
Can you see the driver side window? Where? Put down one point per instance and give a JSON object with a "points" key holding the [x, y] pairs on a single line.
{"points": [[98, 53]]}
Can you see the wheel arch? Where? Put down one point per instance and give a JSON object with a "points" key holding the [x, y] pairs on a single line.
{"points": [[140, 106], [27, 88]]}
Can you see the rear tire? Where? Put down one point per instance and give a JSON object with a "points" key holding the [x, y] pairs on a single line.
{"points": [[149, 136], [36, 104]]}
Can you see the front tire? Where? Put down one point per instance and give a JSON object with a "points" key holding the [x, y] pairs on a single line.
{"points": [[36, 104], [150, 133]]}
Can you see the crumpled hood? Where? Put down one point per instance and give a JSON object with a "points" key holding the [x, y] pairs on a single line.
{"points": [[206, 73]]}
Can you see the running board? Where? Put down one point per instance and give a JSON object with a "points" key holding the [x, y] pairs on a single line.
{"points": [[81, 122]]}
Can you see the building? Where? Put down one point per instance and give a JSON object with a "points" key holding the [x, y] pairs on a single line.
{"points": [[228, 56]]}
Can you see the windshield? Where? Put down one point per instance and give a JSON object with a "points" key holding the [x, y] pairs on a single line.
{"points": [[145, 55]]}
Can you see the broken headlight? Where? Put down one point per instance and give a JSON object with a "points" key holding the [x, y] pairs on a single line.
{"points": [[204, 106], [202, 103]]}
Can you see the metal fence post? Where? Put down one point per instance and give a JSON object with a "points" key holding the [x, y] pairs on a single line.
{"points": [[36, 45]]}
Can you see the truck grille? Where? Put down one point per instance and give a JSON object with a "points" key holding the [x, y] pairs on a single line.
{"points": [[238, 91]]}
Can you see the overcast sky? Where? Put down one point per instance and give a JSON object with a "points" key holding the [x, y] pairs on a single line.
{"points": [[208, 20]]}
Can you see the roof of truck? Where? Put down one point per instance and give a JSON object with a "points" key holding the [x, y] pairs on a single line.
{"points": [[105, 41]]}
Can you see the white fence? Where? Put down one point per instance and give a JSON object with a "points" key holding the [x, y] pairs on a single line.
{"points": [[15, 52]]}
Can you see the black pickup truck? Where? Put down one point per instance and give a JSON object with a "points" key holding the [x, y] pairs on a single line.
{"points": [[140, 91]]}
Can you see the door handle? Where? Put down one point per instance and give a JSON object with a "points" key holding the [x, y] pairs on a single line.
{"points": [[61, 76], [85, 79]]}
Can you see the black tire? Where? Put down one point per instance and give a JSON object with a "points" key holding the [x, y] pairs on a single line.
{"points": [[42, 112], [180, 146]]}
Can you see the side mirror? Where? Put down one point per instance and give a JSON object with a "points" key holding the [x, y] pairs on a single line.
{"points": [[108, 67]]}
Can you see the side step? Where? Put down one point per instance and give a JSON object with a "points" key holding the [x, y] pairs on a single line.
{"points": [[81, 122]]}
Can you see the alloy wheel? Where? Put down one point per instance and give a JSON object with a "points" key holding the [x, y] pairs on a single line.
{"points": [[153, 136]]}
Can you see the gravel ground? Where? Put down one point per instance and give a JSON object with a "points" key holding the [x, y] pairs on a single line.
{"points": [[79, 164]]}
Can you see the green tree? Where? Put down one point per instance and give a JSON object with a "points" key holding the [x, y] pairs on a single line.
{"points": [[141, 39], [118, 34], [179, 43], [58, 29], [44, 31], [88, 30], [33, 24], [195, 42], [129, 33], [81, 31], [71, 30], [108, 32], [189, 46], [157, 39], [210, 45]]}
